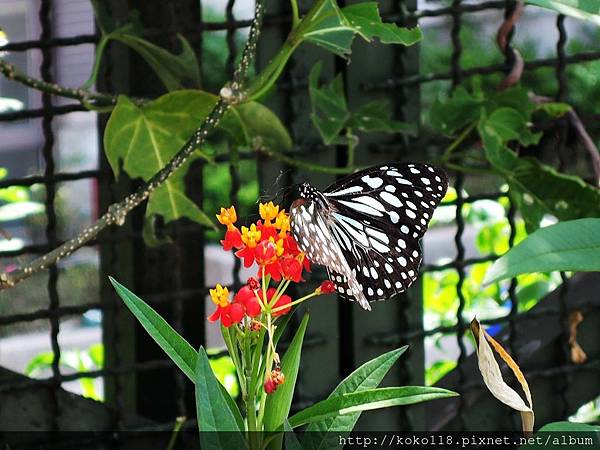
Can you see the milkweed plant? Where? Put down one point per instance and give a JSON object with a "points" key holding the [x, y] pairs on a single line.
{"points": [[252, 321]]}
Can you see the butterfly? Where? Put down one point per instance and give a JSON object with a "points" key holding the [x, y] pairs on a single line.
{"points": [[365, 228]]}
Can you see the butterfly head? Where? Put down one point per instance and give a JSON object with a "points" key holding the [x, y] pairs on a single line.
{"points": [[308, 194]]}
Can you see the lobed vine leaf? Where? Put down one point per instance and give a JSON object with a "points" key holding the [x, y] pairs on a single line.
{"points": [[335, 28], [331, 115], [144, 138], [141, 139], [365, 19]]}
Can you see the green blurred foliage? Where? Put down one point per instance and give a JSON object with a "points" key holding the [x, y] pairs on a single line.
{"points": [[86, 360], [224, 370]]}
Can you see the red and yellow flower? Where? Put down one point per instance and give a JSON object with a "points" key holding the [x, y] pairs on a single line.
{"points": [[228, 313]]}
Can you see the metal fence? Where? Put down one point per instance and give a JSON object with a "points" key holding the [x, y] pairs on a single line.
{"points": [[172, 278]]}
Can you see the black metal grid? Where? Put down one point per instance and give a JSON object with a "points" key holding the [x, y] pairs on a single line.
{"points": [[397, 81]]}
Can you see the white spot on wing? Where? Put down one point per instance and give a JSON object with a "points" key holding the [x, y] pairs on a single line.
{"points": [[373, 182]]}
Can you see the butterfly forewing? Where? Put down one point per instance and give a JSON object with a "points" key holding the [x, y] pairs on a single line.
{"points": [[371, 221]]}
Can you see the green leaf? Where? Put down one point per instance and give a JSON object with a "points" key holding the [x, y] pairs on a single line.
{"points": [[334, 29], [145, 138], [571, 426], [507, 123], [555, 109], [329, 109], [330, 113], [328, 28], [376, 116], [510, 124], [367, 400], [554, 433], [171, 69], [254, 125], [579, 9], [538, 189], [365, 19], [291, 441], [367, 376], [39, 362], [451, 115], [173, 344], [516, 98], [566, 246], [278, 404], [217, 425]]}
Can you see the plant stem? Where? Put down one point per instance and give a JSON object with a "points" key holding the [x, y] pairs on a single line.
{"points": [[469, 170], [179, 421], [117, 212], [351, 143], [83, 95], [456, 142], [265, 81], [295, 302], [295, 13]]}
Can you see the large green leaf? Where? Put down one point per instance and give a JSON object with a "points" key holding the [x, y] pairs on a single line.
{"points": [[173, 344], [579, 9], [218, 426], [367, 400], [278, 404], [334, 29], [144, 138], [367, 376], [565, 246]]}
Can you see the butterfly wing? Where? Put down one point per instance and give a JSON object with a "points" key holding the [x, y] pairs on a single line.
{"points": [[366, 227], [310, 228], [377, 217]]}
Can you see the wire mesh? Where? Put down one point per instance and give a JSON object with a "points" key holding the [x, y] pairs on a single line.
{"points": [[397, 81]]}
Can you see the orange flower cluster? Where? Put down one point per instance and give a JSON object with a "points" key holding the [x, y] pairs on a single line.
{"points": [[267, 242]]}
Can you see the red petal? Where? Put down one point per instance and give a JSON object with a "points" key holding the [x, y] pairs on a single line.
{"points": [[216, 315], [233, 238], [283, 300], [247, 254]]}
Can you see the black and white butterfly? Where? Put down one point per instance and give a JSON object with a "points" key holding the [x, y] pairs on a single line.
{"points": [[365, 228]]}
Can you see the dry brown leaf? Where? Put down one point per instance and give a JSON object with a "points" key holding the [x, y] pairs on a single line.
{"points": [[578, 356], [492, 376]]}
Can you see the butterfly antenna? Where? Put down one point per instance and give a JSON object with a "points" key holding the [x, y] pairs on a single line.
{"points": [[281, 192]]}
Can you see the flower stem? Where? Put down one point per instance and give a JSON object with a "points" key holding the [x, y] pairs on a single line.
{"points": [[295, 13], [295, 302]]}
